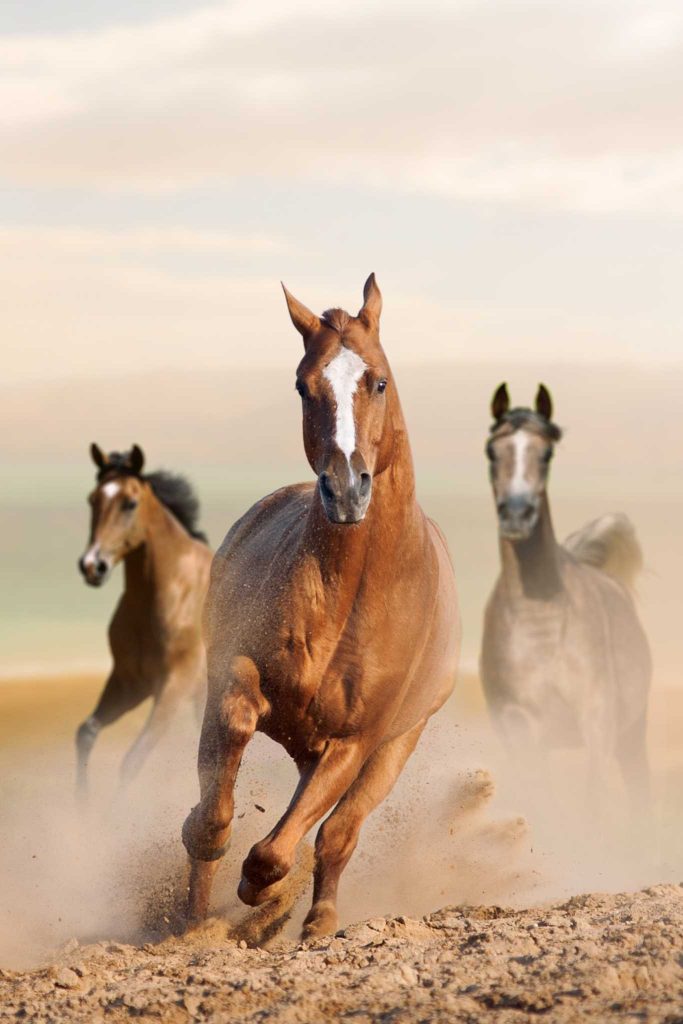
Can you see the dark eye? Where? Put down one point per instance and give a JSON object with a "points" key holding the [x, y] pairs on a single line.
{"points": [[128, 504], [381, 386]]}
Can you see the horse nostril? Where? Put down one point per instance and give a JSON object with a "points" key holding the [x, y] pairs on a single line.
{"points": [[81, 565], [528, 513], [101, 568], [365, 483], [326, 487]]}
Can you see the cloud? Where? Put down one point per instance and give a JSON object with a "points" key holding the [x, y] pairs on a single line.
{"points": [[563, 106], [141, 240]]}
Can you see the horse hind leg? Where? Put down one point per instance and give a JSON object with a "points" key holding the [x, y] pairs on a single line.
{"points": [[338, 836], [230, 721], [117, 698]]}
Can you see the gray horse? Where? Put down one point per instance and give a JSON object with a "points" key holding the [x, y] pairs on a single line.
{"points": [[564, 660]]}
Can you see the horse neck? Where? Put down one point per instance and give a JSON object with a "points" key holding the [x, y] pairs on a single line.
{"points": [[152, 565], [393, 520], [531, 568]]}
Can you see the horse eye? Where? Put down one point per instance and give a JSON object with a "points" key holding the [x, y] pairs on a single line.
{"points": [[128, 504], [381, 386]]}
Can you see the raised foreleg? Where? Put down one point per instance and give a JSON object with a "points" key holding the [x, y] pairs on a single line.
{"points": [[319, 789], [230, 720], [119, 696], [338, 836]]}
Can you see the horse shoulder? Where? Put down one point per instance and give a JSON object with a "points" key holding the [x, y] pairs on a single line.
{"points": [[266, 518]]}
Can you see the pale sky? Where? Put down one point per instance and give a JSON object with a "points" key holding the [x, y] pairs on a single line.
{"points": [[512, 172]]}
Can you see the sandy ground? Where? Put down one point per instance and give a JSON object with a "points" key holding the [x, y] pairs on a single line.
{"points": [[599, 958], [88, 906]]}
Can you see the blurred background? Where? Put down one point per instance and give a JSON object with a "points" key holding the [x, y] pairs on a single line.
{"points": [[513, 173]]}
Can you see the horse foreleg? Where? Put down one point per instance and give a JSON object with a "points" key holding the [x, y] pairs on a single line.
{"points": [[230, 720], [339, 834], [319, 789], [116, 699]]}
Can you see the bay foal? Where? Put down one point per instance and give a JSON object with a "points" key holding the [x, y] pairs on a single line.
{"points": [[564, 658], [149, 523], [331, 623]]}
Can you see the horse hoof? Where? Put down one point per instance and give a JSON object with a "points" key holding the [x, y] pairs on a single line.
{"points": [[255, 895], [321, 920]]}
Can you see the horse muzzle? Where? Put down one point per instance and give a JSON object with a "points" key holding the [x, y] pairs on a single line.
{"points": [[517, 517], [345, 488], [94, 568]]}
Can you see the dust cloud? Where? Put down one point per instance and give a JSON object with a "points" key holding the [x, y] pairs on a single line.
{"points": [[460, 827]]}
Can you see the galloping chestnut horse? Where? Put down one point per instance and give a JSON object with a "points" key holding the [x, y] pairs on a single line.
{"points": [[564, 660], [148, 522], [331, 623]]}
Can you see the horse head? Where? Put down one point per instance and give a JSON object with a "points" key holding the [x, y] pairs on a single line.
{"points": [[346, 387], [116, 526], [519, 451]]}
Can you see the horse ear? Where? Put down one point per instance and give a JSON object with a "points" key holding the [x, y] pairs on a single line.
{"points": [[372, 303], [544, 403], [136, 458], [98, 456], [306, 323], [500, 403]]}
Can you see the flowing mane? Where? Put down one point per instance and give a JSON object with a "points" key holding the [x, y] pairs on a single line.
{"points": [[177, 494]]}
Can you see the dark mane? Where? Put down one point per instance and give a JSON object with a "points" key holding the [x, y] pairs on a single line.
{"points": [[521, 417], [177, 494], [337, 319]]}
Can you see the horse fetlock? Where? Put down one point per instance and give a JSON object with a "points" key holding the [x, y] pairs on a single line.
{"points": [[87, 732], [262, 870], [205, 838]]}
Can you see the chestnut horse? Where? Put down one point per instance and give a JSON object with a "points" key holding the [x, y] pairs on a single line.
{"points": [[564, 659], [331, 623], [148, 522]]}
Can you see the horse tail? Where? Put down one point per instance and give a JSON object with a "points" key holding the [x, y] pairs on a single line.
{"points": [[610, 544]]}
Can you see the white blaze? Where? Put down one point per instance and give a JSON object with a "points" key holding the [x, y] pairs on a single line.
{"points": [[518, 484], [343, 374], [111, 489]]}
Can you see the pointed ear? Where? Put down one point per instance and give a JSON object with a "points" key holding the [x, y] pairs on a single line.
{"points": [[98, 456], [500, 403], [372, 304], [136, 458], [306, 323], [544, 403]]}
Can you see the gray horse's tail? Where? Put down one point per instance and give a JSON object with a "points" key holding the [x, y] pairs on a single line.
{"points": [[610, 544]]}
